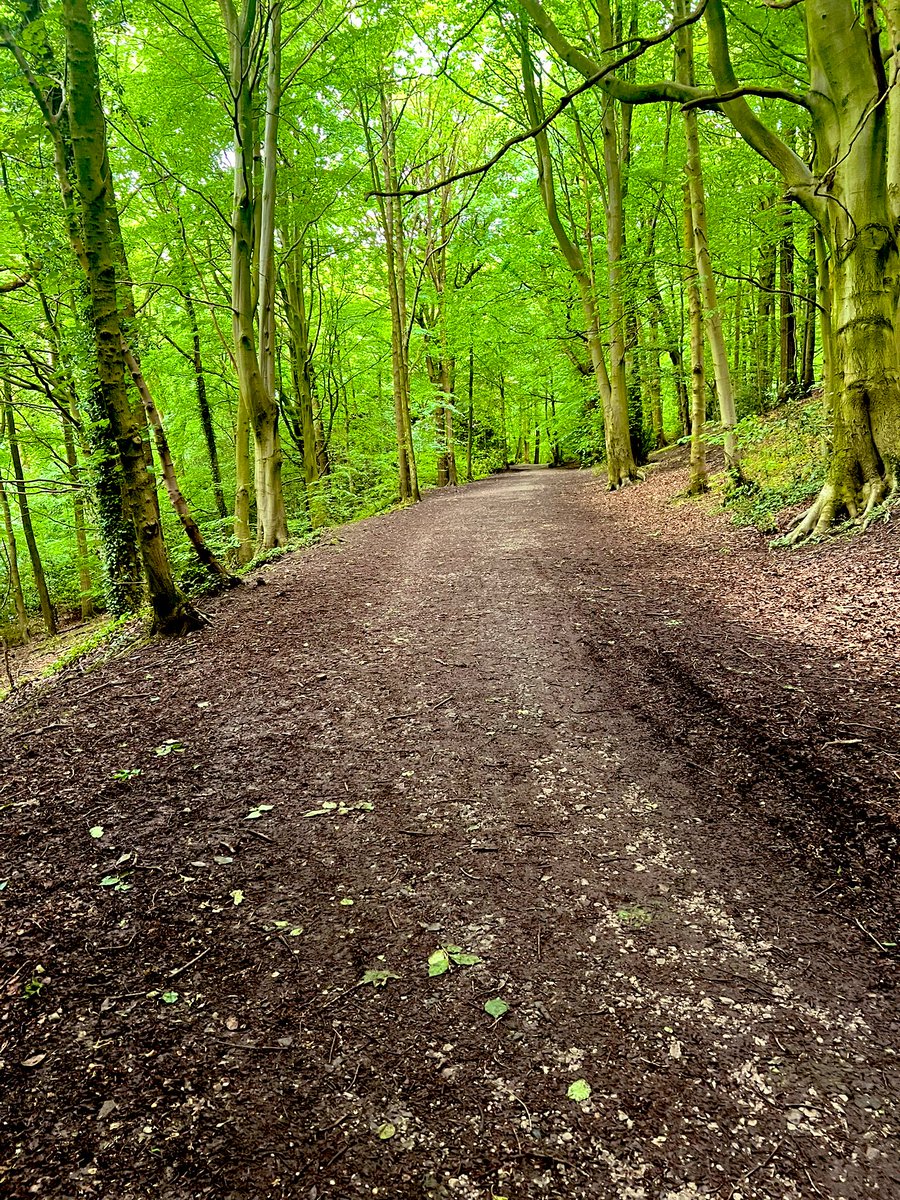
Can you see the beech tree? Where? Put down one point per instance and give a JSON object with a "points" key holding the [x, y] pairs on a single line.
{"points": [[851, 191]]}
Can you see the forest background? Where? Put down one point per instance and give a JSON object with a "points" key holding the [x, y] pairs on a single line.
{"points": [[256, 277]]}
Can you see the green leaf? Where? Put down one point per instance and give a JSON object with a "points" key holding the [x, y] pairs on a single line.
{"points": [[464, 960], [169, 997], [377, 977], [579, 1090], [126, 773], [387, 1130], [438, 963], [237, 896], [109, 881], [169, 746], [96, 831], [346, 902], [496, 1008]]}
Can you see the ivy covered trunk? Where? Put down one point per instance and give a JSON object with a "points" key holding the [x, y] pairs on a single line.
{"points": [[171, 612]]}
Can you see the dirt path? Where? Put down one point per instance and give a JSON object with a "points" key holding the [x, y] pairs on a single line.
{"points": [[442, 711]]}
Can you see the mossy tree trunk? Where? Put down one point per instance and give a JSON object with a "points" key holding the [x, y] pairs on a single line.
{"points": [[252, 259], [87, 126], [34, 554]]}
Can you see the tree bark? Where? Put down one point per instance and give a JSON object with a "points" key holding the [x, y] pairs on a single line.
{"points": [[654, 384], [470, 431], [15, 578], [301, 362], [699, 480], [206, 423], [395, 256], [787, 314], [37, 566], [851, 193], [684, 73], [171, 612], [252, 230], [85, 583]]}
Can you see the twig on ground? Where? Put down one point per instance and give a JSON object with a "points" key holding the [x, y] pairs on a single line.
{"points": [[43, 729], [180, 970], [881, 946], [257, 833]]}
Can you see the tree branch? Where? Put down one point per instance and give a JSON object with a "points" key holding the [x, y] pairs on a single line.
{"points": [[597, 75], [715, 99]]}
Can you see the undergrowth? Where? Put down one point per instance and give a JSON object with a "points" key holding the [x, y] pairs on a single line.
{"points": [[783, 455], [110, 637]]}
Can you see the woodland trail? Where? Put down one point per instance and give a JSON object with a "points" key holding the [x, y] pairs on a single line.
{"points": [[442, 709]]}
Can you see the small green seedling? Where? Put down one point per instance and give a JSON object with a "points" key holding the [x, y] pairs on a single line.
{"points": [[340, 808], [635, 916], [439, 962], [170, 746], [255, 813], [579, 1090], [116, 882]]}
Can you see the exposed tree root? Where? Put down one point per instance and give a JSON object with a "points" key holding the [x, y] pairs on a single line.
{"points": [[182, 620], [862, 507]]}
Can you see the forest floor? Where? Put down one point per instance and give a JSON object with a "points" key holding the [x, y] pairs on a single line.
{"points": [[640, 766]]}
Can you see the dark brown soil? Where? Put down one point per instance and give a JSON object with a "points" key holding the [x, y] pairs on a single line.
{"points": [[649, 783]]}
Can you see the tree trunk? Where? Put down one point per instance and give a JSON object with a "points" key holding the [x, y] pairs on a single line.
{"points": [[765, 308], [624, 401], [85, 583], [787, 314], [37, 567], [654, 384], [170, 479], [620, 464], [850, 192], [206, 424], [699, 481], [171, 612], [252, 227], [395, 257], [684, 58], [503, 429], [470, 431], [15, 578], [301, 358], [808, 360]]}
